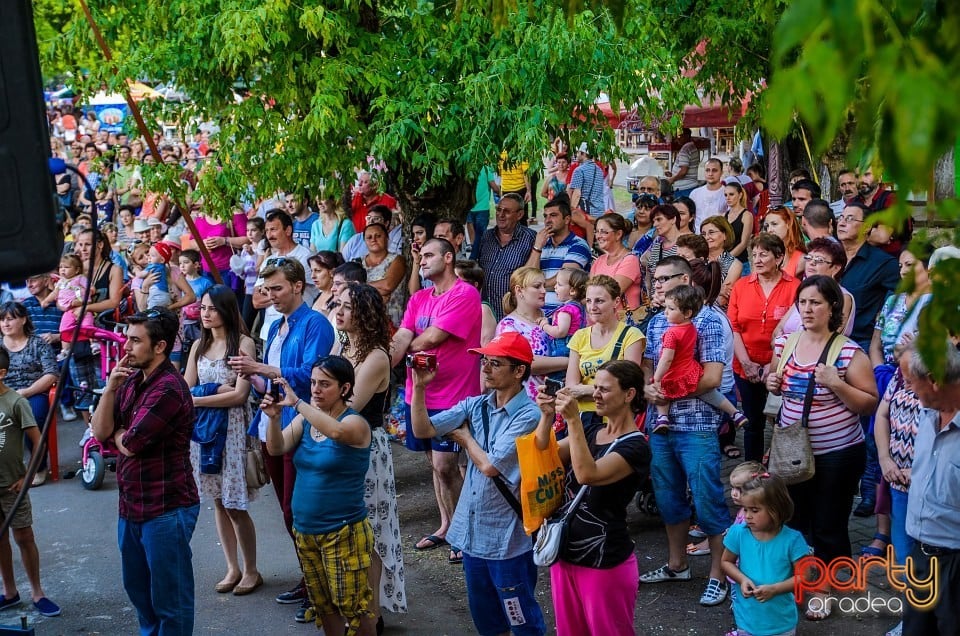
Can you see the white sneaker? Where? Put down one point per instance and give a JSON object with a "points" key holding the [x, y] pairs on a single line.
{"points": [[40, 478]]}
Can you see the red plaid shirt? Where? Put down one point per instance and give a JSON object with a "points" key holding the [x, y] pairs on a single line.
{"points": [[159, 417]]}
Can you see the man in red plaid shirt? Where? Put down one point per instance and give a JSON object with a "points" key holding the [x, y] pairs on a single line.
{"points": [[147, 411]]}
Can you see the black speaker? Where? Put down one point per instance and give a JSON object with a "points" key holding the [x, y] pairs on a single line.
{"points": [[30, 240]]}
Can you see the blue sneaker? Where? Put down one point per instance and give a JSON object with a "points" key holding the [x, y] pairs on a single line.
{"points": [[7, 603], [46, 607]]}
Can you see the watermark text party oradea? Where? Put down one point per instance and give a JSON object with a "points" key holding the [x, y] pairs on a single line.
{"points": [[847, 580]]}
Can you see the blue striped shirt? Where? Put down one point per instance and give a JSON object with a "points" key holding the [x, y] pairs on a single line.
{"points": [[572, 249]]}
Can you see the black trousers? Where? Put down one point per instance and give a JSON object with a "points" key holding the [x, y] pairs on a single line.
{"points": [[753, 396], [943, 619], [822, 504]]}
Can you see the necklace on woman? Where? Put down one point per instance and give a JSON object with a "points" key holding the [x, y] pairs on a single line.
{"points": [[532, 321], [615, 258], [317, 435]]}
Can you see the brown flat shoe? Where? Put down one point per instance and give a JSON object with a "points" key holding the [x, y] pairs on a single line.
{"points": [[226, 586], [243, 590]]}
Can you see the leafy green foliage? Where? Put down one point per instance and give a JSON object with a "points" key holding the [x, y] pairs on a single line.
{"points": [[433, 90]]}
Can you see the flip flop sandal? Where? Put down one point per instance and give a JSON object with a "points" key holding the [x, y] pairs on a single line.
{"points": [[434, 542]]}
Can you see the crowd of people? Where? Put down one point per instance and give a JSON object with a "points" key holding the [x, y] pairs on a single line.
{"points": [[684, 317]]}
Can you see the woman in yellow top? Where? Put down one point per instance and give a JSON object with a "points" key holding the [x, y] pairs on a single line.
{"points": [[607, 338]]}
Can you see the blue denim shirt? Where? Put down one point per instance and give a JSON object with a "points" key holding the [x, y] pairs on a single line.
{"points": [[309, 338], [484, 525], [713, 345]]}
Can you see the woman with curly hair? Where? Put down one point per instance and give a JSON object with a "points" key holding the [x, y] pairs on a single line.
{"points": [[362, 322]]}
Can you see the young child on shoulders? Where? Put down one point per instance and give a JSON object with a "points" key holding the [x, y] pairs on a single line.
{"points": [[678, 373], [760, 556], [16, 418], [71, 287], [571, 287], [158, 292]]}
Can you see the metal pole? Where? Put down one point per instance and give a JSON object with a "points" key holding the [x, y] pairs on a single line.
{"points": [[148, 138]]}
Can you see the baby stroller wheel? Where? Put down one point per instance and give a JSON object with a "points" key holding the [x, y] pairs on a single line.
{"points": [[647, 503], [91, 476]]}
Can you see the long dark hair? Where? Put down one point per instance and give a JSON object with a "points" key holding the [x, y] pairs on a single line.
{"points": [[225, 302], [708, 276], [370, 322]]}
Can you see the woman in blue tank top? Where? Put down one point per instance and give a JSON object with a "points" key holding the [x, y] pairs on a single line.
{"points": [[331, 444]]}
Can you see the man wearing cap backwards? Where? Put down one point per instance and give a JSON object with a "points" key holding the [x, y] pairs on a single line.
{"points": [[497, 555]]}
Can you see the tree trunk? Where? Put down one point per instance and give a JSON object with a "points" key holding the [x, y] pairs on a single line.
{"points": [[453, 198]]}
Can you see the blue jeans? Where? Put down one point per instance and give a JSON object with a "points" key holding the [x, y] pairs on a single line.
{"points": [[502, 595], [479, 219], [157, 570], [681, 458], [902, 542], [871, 472], [40, 405]]}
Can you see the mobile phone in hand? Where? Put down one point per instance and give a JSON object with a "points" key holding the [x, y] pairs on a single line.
{"points": [[552, 386]]}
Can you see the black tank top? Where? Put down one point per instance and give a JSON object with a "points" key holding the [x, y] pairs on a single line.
{"points": [[373, 411], [102, 283]]}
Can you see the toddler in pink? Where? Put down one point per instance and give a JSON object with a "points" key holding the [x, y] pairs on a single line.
{"points": [[71, 287]]}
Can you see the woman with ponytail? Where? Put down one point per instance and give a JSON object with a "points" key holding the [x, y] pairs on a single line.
{"points": [[523, 306]]}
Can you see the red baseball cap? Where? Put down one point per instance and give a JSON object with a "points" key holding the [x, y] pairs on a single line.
{"points": [[164, 250], [508, 344]]}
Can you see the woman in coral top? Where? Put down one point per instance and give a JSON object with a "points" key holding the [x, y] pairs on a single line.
{"points": [[757, 303]]}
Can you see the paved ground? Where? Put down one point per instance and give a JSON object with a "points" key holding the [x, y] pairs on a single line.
{"points": [[76, 531]]}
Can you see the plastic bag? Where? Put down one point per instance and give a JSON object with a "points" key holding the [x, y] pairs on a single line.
{"points": [[541, 480]]}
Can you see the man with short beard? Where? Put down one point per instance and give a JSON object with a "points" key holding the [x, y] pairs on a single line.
{"points": [[444, 320], [146, 409], [871, 192]]}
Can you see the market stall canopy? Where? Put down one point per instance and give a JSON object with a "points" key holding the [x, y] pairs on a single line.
{"points": [[710, 115]]}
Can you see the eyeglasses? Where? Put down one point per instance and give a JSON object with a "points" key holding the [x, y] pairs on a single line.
{"points": [[849, 218], [816, 260], [279, 260], [710, 232], [501, 209], [152, 314], [661, 280], [494, 364]]}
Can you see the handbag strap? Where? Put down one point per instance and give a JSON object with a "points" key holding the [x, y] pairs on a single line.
{"points": [[619, 344], [808, 397], [498, 480], [583, 489]]}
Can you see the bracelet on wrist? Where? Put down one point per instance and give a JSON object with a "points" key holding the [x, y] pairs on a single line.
{"points": [[537, 249], [296, 405]]}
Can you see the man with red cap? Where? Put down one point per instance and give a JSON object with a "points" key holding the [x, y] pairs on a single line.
{"points": [[497, 554]]}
